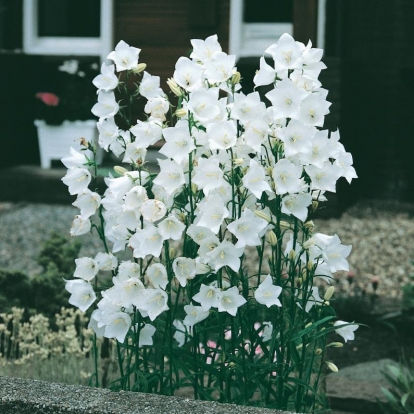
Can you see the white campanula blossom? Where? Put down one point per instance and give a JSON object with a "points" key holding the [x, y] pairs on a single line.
{"points": [[184, 269], [128, 269], [86, 268], [124, 56], [157, 108], [106, 261], [135, 197], [334, 254], [150, 86], [180, 334], [119, 145], [199, 233], [134, 154], [107, 80], [77, 179], [324, 178], [204, 104], [80, 226], [220, 67], [195, 314], [157, 275], [188, 74], [171, 228], [156, 302], [117, 326], [147, 241], [108, 132], [178, 142], [255, 179], [76, 159], [286, 53], [207, 297], [344, 161], [267, 293], [82, 294], [286, 176], [87, 202], [222, 136], [107, 106], [255, 133], [153, 210], [247, 229], [266, 75], [297, 138], [204, 50], [208, 175], [212, 213], [171, 176], [225, 254], [230, 300], [247, 108], [145, 335], [131, 291], [346, 330], [297, 205], [147, 133], [313, 110]]}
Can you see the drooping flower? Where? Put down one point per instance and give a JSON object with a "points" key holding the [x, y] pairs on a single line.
{"points": [[150, 86], [145, 335], [118, 326], [346, 330], [107, 80], [107, 106], [77, 179], [82, 294], [184, 269], [86, 268]]}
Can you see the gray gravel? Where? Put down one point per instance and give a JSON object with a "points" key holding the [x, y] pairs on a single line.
{"points": [[381, 233]]}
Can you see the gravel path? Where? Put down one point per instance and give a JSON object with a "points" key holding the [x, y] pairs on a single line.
{"points": [[381, 233]]}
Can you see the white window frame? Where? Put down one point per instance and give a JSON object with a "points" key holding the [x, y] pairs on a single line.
{"points": [[252, 39], [67, 46]]}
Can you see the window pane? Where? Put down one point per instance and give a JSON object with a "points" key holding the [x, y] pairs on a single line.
{"points": [[268, 11], [69, 18]]}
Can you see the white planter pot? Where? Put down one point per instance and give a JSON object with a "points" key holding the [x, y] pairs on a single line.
{"points": [[55, 140]]}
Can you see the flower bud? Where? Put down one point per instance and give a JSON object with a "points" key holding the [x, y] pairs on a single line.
{"points": [[331, 366], [308, 324], [263, 215], [120, 170], [235, 79], [84, 142], [329, 292], [292, 255], [171, 252], [310, 265], [271, 238], [238, 161], [175, 89], [284, 225], [182, 216], [194, 188], [309, 225], [335, 345], [180, 113], [318, 351], [315, 205], [139, 68]]}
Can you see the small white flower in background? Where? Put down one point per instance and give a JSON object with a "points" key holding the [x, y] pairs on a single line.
{"points": [[267, 331], [107, 80], [195, 314], [347, 332], [69, 66], [267, 293], [82, 293], [180, 334], [86, 268], [124, 56], [145, 335]]}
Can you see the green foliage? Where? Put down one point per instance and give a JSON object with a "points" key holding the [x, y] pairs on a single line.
{"points": [[44, 293], [408, 296], [400, 395]]}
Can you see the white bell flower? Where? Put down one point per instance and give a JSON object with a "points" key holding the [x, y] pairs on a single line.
{"points": [[297, 138], [107, 106], [199, 233], [86, 268], [194, 315], [108, 132], [220, 67], [76, 159], [156, 302], [118, 326], [297, 205], [255, 133], [157, 275], [335, 254], [171, 228], [134, 154], [82, 294], [146, 242], [170, 177], [145, 335], [77, 179], [106, 261], [207, 297], [212, 213], [255, 179], [230, 300], [157, 108], [267, 293], [225, 254], [150, 86], [204, 105], [324, 178], [347, 331], [287, 177], [135, 197], [313, 110], [222, 136], [153, 210], [80, 226], [178, 142], [147, 133], [184, 269], [266, 75], [188, 74], [128, 269], [204, 50], [286, 53], [107, 80], [344, 161], [124, 56], [208, 175], [87, 202]]}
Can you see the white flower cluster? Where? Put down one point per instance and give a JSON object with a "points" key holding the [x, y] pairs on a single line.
{"points": [[228, 158]]}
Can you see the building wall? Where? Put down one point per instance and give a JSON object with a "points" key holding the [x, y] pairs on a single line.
{"points": [[163, 28]]}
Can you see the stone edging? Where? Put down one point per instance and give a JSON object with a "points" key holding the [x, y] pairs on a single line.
{"points": [[39, 397]]}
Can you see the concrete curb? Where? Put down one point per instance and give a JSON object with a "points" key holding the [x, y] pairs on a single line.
{"points": [[39, 397]]}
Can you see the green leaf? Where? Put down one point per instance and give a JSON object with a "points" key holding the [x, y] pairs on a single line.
{"points": [[310, 328], [390, 397], [404, 399], [394, 370]]}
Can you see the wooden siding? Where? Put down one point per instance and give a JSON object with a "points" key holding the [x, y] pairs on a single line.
{"points": [[163, 28]]}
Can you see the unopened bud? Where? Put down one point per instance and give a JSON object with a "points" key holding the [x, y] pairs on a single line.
{"points": [[84, 142], [309, 225], [175, 89], [194, 188], [325, 303], [180, 113], [120, 170], [263, 215], [172, 252], [182, 216], [271, 238], [238, 161], [299, 282], [315, 205], [139, 68], [310, 265], [329, 292], [331, 366], [318, 351], [235, 78], [269, 171], [308, 324], [335, 345], [284, 225], [292, 255]]}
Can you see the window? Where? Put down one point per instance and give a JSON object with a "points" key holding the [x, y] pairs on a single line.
{"points": [[253, 28], [68, 27]]}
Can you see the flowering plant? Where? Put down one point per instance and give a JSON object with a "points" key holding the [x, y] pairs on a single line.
{"points": [[69, 94], [220, 289]]}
